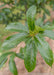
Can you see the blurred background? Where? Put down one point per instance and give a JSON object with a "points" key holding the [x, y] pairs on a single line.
{"points": [[12, 11]]}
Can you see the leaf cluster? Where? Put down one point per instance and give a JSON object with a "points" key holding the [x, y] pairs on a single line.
{"points": [[32, 34]]}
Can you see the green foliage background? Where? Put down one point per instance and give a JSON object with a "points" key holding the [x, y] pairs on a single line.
{"points": [[16, 9]]}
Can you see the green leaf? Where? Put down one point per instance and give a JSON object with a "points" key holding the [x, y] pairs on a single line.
{"points": [[17, 27], [44, 16], [19, 55], [21, 50], [31, 17], [39, 22], [39, 29], [15, 1], [3, 62], [49, 34], [39, 1], [44, 49], [1, 18], [6, 10], [30, 55], [53, 57], [48, 23], [12, 67], [53, 6], [46, 11], [3, 58], [48, 27], [4, 55], [14, 40]]}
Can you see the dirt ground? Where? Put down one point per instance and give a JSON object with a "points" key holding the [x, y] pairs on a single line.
{"points": [[41, 67]]}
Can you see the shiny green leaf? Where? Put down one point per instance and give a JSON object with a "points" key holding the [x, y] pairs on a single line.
{"points": [[30, 55], [3, 58], [44, 49], [46, 11], [12, 67], [49, 34], [21, 50], [39, 22], [13, 41], [17, 27], [19, 55], [48, 27], [31, 17], [3, 62]]}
